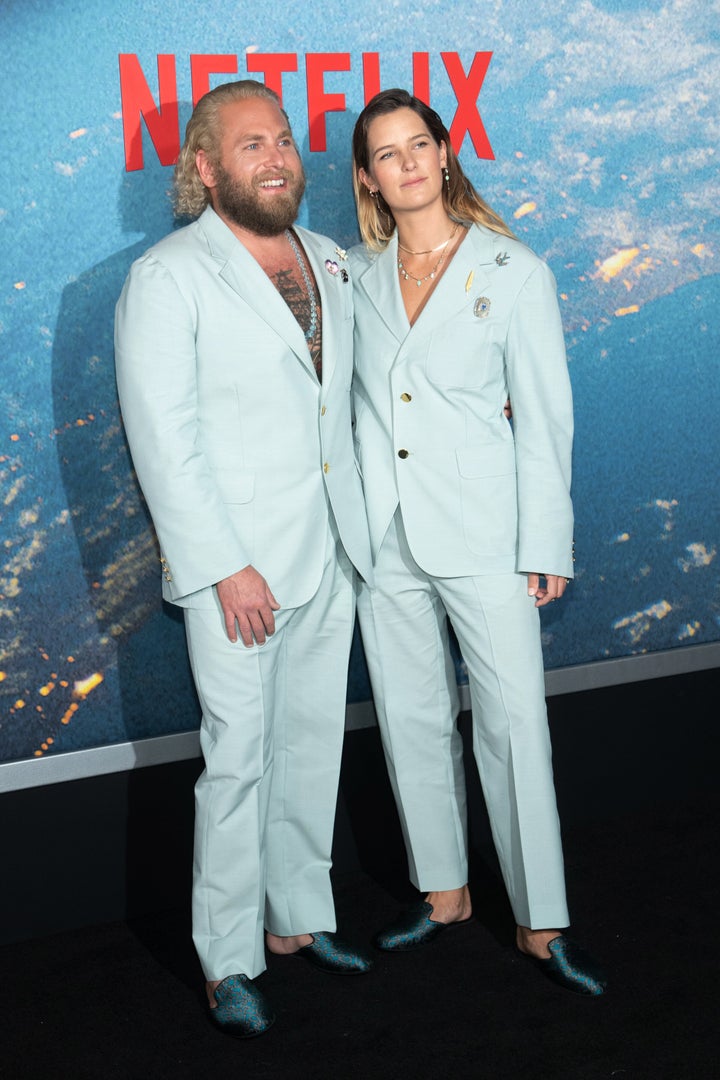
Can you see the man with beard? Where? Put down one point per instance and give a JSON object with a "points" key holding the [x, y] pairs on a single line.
{"points": [[234, 359]]}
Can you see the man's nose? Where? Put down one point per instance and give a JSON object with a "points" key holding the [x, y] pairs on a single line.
{"points": [[275, 157]]}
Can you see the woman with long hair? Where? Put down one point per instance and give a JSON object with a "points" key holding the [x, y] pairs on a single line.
{"points": [[470, 520]]}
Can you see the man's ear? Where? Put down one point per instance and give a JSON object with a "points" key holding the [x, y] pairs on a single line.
{"points": [[205, 168]]}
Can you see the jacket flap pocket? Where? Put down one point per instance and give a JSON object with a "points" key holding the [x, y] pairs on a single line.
{"points": [[235, 486], [487, 459]]}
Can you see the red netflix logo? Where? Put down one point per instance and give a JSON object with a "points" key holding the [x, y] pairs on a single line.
{"points": [[162, 119]]}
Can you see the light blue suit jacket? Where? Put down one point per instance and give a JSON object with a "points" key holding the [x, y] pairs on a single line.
{"points": [[478, 494], [236, 445]]}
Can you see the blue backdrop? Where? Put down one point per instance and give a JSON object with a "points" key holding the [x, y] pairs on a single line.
{"points": [[593, 130]]}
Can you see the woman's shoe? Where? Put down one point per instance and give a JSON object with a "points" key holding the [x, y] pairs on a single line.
{"points": [[571, 967], [242, 1010], [412, 928], [334, 956]]}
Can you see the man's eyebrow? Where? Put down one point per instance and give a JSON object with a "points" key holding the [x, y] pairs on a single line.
{"points": [[249, 136]]}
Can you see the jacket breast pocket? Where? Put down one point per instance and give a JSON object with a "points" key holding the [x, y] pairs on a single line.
{"points": [[488, 492], [463, 353]]}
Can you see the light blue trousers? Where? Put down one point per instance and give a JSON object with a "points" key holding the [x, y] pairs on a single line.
{"points": [[271, 736], [403, 620]]}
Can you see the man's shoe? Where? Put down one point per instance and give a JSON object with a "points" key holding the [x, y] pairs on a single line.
{"points": [[242, 1010], [327, 952]]}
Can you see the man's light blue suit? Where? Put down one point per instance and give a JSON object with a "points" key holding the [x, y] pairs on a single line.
{"points": [[462, 504], [246, 459]]}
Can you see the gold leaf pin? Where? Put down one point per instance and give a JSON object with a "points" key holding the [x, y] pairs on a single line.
{"points": [[468, 283]]}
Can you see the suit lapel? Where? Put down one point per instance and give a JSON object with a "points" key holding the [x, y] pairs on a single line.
{"points": [[239, 270], [381, 285], [464, 282]]}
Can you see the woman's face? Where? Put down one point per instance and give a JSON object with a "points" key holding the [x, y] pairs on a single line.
{"points": [[405, 163]]}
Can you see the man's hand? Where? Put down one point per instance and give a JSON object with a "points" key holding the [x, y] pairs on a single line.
{"points": [[554, 588], [247, 604]]}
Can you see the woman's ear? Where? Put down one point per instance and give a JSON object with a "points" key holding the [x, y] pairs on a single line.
{"points": [[366, 180], [443, 154]]}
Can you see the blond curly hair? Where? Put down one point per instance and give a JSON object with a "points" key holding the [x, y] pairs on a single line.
{"points": [[204, 132]]}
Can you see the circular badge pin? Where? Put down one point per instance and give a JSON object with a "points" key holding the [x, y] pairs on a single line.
{"points": [[481, 308]]}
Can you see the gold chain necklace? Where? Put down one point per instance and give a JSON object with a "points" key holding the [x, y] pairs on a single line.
{"points": [[430, 251], [409, 276]]}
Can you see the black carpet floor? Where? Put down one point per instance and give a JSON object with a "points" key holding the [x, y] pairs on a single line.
{"points": [[125, 1000]]}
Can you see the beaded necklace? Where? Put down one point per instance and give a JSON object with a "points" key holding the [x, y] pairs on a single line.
{"points": [[428, 277], [312, 328]]}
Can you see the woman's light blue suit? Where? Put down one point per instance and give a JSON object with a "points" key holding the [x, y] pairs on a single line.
{"points": [[462, 504], [246, 459]]}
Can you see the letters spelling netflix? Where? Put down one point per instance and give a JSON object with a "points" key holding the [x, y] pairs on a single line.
{"points": [[162, 118]]}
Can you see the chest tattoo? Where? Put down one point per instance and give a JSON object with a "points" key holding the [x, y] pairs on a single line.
{"points": [[293, 287]]}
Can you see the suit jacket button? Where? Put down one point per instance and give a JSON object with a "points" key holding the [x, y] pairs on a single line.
{"points": [[406, 397], [323, 410], [326, 468], [403, 454]]}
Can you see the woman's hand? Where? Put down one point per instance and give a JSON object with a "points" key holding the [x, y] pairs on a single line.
{"points": [[554, 588]]}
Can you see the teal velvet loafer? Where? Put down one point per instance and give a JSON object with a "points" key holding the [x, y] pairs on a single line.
{"points": [[242, 1011], [571, 967], [412, 928], [328, 953]]}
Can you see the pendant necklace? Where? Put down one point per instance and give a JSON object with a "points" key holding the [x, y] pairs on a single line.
{"points": [[442, 248], [310, 332]]}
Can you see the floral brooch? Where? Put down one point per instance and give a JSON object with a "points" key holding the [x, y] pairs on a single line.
{"points": [[332, 267]]}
